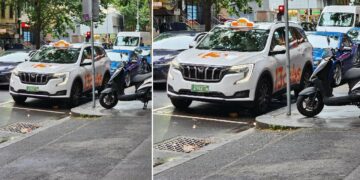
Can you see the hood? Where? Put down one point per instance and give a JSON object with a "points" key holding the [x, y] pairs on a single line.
{"points": [[5, 67], [217, 58], [164, 54], [46, 68], [320, 53]]}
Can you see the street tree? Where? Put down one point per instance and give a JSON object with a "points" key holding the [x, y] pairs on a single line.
{"points": [[128, 8], [53, 17], [233, 7]]}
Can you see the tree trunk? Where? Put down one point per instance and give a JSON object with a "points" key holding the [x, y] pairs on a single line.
{"points": [[207, 14], [37, 32]]}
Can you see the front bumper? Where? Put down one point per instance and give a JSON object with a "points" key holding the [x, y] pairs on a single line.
{"points": [[224, 91], [161, 72], [50, 90]]}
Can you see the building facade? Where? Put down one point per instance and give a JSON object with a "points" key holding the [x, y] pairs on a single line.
{"points": [[9, 34]]}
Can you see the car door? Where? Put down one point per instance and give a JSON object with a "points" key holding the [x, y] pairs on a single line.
{"points": [[100, 65], [279, 60], [304, 50], [86, 70]]}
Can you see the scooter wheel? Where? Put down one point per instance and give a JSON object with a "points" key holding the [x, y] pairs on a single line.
{"points": [[310, 106], [108, 100]]}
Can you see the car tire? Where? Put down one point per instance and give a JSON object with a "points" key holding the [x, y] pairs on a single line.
{"points": [[337, 75], [181, 103], [19, 99], [305, 79], [75, 94], [263, 95]]}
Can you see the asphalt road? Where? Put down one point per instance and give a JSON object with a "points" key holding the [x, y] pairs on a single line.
{"points": [[201, 120]]}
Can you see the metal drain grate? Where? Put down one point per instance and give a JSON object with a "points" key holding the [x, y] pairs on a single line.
{"points": [[182, 144], [20, 127]]}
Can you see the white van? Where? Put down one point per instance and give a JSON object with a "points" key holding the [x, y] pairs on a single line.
{"points": [[339, 18], [132, 40]]}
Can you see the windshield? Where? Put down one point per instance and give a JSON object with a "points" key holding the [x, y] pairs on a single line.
{"points": [[318, 41], [14, 57], [228, 39], [336, 19], [354, 35], [56, 55], [127, 41], [179, 42]]}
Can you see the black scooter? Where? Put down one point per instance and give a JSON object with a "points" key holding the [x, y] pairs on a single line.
{"points": [[114, 90], [312, 99]]}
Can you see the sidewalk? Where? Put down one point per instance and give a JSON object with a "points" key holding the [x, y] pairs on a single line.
{"points": [[84, 148], [330, 117], [309, 153]]}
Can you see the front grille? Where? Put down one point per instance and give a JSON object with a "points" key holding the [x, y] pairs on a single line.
{"points": [[34, 78], [203, 73]]}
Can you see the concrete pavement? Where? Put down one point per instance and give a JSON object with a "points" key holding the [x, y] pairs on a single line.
{"points": [[264, 154], [83, 148]]}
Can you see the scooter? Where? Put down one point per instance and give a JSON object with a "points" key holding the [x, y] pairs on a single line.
{"points": [[114, 90], [312, 99]]}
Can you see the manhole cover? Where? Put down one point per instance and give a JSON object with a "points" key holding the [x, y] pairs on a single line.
{"points": [[20, 127], [182, 144]]}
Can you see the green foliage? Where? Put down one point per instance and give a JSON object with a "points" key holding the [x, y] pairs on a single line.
{"points": [[233, 6], [128, 8], [54, 16]]}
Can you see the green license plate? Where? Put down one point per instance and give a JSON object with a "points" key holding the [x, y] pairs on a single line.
{"points": [[32, 89], [199, 88]]}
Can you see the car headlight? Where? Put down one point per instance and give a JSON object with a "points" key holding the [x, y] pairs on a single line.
{"points": [[244, 72], [175, 64], [63, 76], [15, 72]]}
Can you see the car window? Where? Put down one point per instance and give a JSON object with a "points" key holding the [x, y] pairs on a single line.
{"points": [[299, 37], [99, 53], [293, 41], [278, 38]]}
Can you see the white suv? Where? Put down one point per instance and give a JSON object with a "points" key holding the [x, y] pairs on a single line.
{"points": [[240, 62], [60, 71]]}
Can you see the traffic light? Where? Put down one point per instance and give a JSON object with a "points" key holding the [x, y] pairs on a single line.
{"points": [[281, 10], [88, 36]]}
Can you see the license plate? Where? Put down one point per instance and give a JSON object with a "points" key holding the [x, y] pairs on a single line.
{"points": [[199, 88], [32, 89]]}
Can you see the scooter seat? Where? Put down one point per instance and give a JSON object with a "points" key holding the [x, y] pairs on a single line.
{"points": [[141, 77], [353, 73]]}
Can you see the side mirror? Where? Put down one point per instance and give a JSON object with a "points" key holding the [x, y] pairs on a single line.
{"points": [[278, 50], [192, 44], [86, 62]]}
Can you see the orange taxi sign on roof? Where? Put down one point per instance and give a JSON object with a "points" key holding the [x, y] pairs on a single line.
{"points": [[61, 44], [242, 22]]}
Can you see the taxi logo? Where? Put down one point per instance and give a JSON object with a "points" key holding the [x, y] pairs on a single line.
{"points": [[61, 44], [40, 66], [212, 55], [242, 22]]}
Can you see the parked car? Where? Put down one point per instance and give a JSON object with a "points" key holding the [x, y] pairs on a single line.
{"points": [[346, 52], [354, 35], [165, 47], [8, 62], [60, 71], [240, 62], [117, 57]]}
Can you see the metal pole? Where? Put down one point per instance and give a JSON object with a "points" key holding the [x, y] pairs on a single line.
{"points": [[287, 57], [92, 54], [137, 17], [308, 14]]}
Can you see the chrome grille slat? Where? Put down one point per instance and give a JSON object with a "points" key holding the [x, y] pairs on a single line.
{"points": [[34, 78], [203, 73]]}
